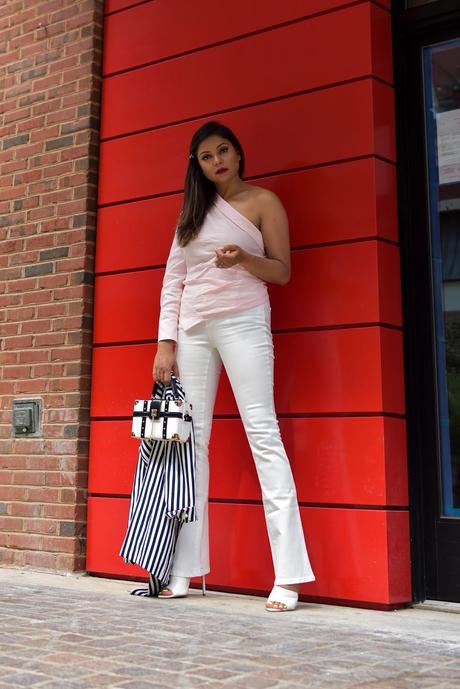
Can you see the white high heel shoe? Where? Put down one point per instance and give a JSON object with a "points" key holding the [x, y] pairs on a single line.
{"points": [[286, 597], [179, 587]]}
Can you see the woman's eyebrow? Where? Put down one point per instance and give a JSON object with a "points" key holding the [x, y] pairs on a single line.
{"points": [[224, 143]]}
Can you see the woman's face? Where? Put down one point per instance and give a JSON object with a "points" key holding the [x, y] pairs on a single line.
{"points": [[218, 159]]}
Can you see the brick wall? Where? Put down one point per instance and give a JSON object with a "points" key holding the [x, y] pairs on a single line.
{"points": [[50, 64]]}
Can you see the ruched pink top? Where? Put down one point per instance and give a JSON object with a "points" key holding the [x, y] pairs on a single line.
{"points": [[194, 288]]}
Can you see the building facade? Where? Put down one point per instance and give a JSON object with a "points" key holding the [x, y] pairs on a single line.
{"points": [[333, 102]]}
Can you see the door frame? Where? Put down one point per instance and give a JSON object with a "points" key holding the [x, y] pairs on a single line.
{"points": [[432, 23]]}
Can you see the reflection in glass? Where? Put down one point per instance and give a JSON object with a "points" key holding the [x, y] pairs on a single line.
{"points": [[417, 3], [442, 104]]}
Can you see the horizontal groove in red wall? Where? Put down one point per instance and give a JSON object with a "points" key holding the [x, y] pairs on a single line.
{"points": [[347, 371], [366, 107], [137, 36], [275, 331], [333, 203], [248, 71], [349, 549], [218, 114], [335, 460]]}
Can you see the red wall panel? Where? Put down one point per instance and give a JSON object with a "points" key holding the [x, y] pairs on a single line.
{"points": [[348, 371], [363, 128], [317, 125], [325, 204], [163, 28], [340, 460], [349, 549], [333, 285], [245, 71]]}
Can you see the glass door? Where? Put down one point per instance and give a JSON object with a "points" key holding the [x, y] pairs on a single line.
{"points": [[427, 88], [441, 76]]}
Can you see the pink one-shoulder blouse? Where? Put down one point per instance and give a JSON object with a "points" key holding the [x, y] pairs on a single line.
{"points": [[194, 289]]}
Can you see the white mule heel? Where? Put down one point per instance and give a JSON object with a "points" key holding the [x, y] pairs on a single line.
{"points": [[287, 598], [178, 586]]}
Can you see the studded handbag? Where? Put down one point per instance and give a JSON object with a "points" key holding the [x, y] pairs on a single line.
{"points": [[167, 416]]}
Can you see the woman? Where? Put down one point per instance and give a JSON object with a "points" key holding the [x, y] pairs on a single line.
{"points": [[232, 237]]}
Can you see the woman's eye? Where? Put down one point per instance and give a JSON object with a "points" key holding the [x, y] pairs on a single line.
{"points": [[224, 149]]}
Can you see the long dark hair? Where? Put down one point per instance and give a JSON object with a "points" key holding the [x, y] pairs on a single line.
{"points": [[199, 191]]}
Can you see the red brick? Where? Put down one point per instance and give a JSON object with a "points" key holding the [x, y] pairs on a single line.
{"points": [[40, 241], [25, 541], [66, 385], [49, 339], [43, 494], [49, 527], [16, 372], [51, 310], [14, 493], [24, 285], [53, 281], [36, 326], [33, 355], [20, 342], [10, 300], [43, 462], [37, 297], [21, 314], [11, 524], [31, 386], [66, 353], [37, 559], [61, 544], [29, 478], [48, 371], [26, 509]]}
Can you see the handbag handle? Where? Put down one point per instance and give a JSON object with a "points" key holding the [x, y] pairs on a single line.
{"points": [[173, 385]]}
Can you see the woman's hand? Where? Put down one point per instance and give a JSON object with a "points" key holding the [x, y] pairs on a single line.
{"points": [[229, 255], [165, 362]]}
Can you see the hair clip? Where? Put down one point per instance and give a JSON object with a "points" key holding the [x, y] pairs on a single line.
{"points": [[191, 155]]}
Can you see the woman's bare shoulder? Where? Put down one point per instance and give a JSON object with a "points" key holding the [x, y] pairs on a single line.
{"points": [[263, 197]]}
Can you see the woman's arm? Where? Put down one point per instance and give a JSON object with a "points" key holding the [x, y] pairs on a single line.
{"points": [[171, 295], [275, 267]]}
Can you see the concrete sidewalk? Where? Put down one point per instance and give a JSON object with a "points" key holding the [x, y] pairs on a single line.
{"points": [[81, 632]]}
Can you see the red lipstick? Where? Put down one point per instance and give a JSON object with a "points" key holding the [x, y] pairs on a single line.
{"points": [[221, 170]]}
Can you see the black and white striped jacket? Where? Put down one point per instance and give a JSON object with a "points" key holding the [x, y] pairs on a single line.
{"points": [[162, 500]]}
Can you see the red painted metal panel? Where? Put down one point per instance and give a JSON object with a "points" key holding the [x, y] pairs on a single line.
{"points": [[338, 202], [399, 563], [326, 204], [126, 170], [349, 549], [386, 200], [351, 461], [107, 522], [251, 69], [389, 277], [133, 235], [333, 285], [344, 369], [334, 460], [358, 554], [392, 370], [120, 375], [134, 301], [348, 370], [111, 445], [139, 36]]}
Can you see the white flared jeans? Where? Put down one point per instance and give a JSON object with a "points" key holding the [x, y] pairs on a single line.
{"points": [[243, 342]]}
